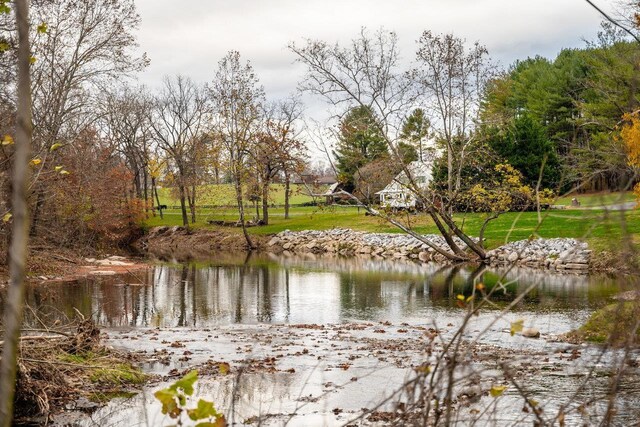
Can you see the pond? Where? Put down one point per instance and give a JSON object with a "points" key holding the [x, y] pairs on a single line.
{"points": [[271, 289], [338, 334]]}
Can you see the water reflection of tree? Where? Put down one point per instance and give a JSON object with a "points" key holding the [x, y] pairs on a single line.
{"points": [[360, 292], [251, 289], [55, 302], [264, 294], [449, 281], [182, 284]]}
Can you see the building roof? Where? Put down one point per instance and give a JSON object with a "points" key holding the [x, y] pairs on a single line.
{"points": [[332, 189], [315, 179]]}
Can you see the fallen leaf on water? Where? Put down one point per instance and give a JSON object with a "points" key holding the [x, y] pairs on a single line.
{"points": [[497, 390], [517, 326]]}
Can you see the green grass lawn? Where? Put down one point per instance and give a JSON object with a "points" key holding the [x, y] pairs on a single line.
{"points": [[598, 225], [224, 195], [597, 199]]}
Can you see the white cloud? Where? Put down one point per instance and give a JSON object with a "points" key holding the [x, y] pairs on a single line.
{"points": [[191, 36]]}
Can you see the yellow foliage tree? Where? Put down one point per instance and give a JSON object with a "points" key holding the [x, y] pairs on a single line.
{"points": [[630, 135], [506, 192]]}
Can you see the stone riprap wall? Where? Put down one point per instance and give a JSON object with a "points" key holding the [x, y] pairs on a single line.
{"points": [[558, 254], [554, 254]]}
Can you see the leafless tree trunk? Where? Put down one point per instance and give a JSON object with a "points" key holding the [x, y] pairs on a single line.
{"points": [[265, 202], [191, 197], [287, 193], [20, 232], [183, 204], [154, 189], [238, 187]]}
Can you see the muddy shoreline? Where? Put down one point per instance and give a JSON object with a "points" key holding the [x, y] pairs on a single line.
{"points": [[182, 244], [336, 374]]}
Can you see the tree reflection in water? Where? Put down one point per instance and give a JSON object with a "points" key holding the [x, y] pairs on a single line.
{"points": [[258, 289]]}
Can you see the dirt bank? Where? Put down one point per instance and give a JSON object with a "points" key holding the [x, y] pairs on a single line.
{"points": [[181, 244]]}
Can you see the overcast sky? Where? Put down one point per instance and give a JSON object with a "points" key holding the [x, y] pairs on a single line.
{"points": [[189, 37]]}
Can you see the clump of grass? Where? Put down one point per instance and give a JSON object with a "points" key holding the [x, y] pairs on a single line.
{"points": [[51, 367], [105, 397], [103, 368], [615, 324], [119, 374]]}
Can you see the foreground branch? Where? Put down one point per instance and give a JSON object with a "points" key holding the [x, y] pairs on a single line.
{"points": [[20, 231]]}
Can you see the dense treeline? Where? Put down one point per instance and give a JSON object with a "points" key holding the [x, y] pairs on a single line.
{"points": [[566, 114]]}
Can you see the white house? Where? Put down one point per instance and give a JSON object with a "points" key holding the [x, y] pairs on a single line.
{"points": [[398, 194]]}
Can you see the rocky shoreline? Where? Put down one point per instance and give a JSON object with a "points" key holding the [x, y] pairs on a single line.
{"points": [[558, 254], [178, 243]]}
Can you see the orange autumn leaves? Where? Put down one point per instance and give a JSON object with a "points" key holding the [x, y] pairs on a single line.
{"points": [[630, 135]]}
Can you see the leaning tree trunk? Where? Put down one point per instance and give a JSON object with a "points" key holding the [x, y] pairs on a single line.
{"points": [[20, 231]]}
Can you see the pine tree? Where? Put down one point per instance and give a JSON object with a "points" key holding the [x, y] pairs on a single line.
{"points": [[360, 142]]}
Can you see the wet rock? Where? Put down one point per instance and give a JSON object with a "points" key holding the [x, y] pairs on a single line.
{"points": [[424, 256], [274, 241]]}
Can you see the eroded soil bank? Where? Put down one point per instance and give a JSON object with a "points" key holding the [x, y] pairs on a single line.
{"points": [[181, 244]]}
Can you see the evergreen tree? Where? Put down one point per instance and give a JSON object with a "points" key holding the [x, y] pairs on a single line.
{"points": [[527, 148], [360, 142], [415, 131]]}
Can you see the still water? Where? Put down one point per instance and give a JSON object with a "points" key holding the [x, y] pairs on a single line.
{"points": [[269, 289], [231, 308]]}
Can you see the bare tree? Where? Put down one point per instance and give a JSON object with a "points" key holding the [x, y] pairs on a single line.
{"points": [[278, 150], [237, 102], [367, 74], [126, 117], [178, 121], [20, 232], [453, 78]]}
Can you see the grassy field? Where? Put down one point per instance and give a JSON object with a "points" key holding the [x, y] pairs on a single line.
{"points": [[593, 225], [224, 195], [597, 199]]}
